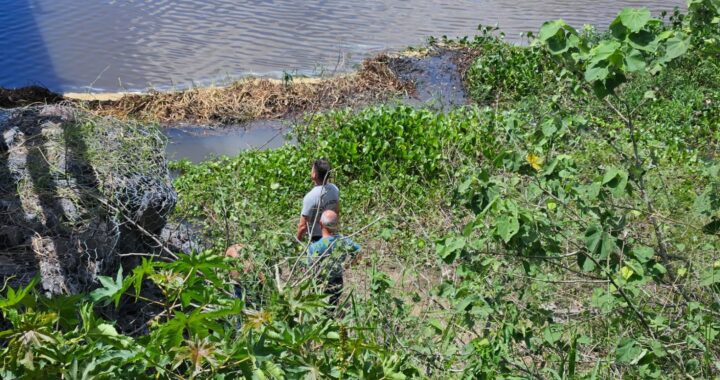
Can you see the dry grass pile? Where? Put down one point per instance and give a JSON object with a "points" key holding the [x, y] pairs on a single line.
{"points": [[252, 99]]}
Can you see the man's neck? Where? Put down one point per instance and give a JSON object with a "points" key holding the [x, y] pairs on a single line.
{"points": [[326, 233]]}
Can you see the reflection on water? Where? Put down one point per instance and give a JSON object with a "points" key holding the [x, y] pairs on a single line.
{"points": [[133, 44], [198, 144], [24, 58]]}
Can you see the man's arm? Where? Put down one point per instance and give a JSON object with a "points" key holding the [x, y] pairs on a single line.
{"points": [[307, 209], [301, 228]]}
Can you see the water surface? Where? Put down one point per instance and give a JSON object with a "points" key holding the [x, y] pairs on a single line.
{"points": [[111, 45], [200, 143]]}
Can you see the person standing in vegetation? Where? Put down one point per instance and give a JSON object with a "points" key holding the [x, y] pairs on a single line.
{"points": [[327, 255], [324, 196]]}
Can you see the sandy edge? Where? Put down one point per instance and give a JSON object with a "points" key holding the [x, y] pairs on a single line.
{"points": [[99, 96]]}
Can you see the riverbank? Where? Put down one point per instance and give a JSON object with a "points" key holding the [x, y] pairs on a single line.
{"points": [[437, 71], [564, 224]]}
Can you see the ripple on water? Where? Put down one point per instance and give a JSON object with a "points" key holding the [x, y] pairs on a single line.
{"points": [[114, 45]]}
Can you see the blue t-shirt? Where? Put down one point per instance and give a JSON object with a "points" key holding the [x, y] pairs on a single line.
{"points": [[331, 251]]}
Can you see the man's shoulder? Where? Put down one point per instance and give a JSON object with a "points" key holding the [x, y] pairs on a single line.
{"points": [[320, 245], [348, 243], [328, 190], [313, 194]]}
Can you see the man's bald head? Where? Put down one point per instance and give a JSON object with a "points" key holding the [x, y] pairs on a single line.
{"points": [[329, 220]]}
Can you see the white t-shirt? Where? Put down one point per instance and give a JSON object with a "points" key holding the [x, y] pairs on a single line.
{"points": [[316, 201]]}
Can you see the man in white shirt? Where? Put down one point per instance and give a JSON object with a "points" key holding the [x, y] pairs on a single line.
{"points": [[324, 196]]}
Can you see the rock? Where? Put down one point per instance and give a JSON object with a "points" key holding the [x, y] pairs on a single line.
{"points": [[11, 236], [65, 113], [182, 237], [77, 191], [4, 115], [24, 96]]}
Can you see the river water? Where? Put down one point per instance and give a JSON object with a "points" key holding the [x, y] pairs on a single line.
{"points": [[201, 143], [112, 45]]}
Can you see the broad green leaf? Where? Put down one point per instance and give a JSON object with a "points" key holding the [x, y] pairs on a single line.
{"points": [[552, 334], [604, 50], [558, 45], [665, 35], [703, 204], [550, 29], [585, 263], [626, 272], [675, 47], [589, 192], [106, 329], [15, 297], [634, 18], [629, 352], [616, 179], [659, 268], [634, 61], [450, 248], [618, 30], [111, 288], [437, 327], [549, 128], [637, 268], [710, 276], [658, 349], [598, 242], [596, 73], [466, 302], [642, 253], [610, 175], [643, 40], [507, 227], [465, 185]]}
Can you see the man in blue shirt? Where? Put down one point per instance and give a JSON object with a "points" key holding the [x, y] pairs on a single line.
{"points": [[327, 255]]}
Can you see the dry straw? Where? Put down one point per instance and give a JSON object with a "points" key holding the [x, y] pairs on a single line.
{"points": [[255, 98]]}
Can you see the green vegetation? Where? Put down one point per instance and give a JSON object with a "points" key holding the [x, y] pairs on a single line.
{"points": [[567, 226]]}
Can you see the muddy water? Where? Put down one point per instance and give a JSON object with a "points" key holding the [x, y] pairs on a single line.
{"points": [[200, 143], [438, 85], [111, 45]]}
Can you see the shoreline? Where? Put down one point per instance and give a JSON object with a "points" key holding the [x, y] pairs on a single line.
{"points": [[104, 96], [379, 79]]}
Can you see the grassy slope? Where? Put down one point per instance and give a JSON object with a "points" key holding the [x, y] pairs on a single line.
{"points": [[478, 227], [404, 167]]}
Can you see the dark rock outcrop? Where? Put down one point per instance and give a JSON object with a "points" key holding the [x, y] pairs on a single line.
{"points": [[24, 96], [75, 193]]}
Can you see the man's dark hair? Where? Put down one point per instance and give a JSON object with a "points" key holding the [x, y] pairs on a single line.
{"points": [[322, 169]]}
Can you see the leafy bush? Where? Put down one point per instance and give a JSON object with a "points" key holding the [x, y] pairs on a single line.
{"points": [[571, 231], [504, 72]]}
